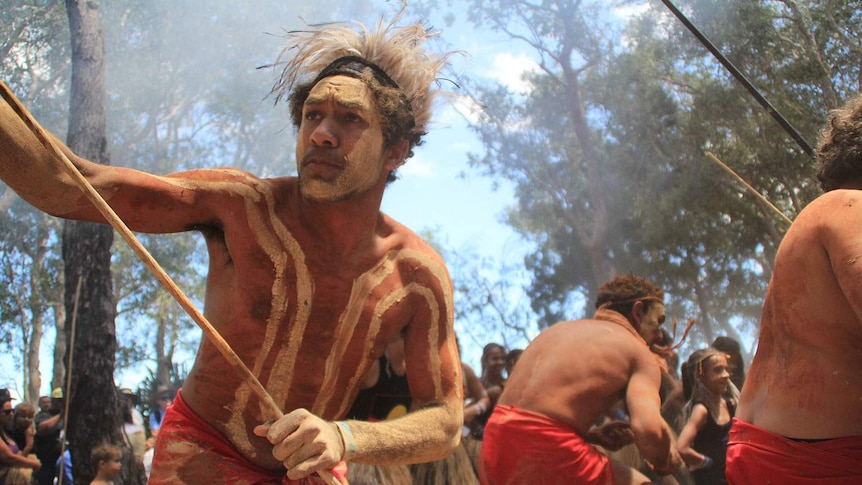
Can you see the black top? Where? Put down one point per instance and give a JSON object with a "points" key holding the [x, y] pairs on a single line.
{"points": [[19, 435], [47, 446], [712, 442], [377, 403]]}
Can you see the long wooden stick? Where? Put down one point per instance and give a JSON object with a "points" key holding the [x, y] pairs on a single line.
{"points": [[114, 220], [67, 392], [748, 186]]}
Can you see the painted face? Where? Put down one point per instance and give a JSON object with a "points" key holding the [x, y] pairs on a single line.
{"points": [[339, 150], [651, 322], [715, 375]]}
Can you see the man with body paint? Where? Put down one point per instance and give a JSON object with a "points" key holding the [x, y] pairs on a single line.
{"points": [[308, 281], [543, 427], [799, 419]]}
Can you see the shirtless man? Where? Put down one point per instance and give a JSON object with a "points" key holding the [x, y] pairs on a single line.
{"points": [[567, 378], [308, 281], [803, 392]]}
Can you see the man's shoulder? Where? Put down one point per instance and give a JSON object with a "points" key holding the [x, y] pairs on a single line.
{"points": [[402, 239], [832, 211], [41, 416], [828, 202], [217, 177]]}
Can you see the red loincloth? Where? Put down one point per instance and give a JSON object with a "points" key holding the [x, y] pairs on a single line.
{"points": [[188, 450], [521, 447], [755, 455]]}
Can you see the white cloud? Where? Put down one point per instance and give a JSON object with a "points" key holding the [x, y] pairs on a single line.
{"points": [[463, 107], [508, 69], [417, 166]]}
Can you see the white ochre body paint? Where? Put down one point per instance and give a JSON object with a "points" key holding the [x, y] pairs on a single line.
{"points": [[292, 290]]}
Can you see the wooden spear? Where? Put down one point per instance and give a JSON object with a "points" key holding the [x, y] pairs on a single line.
{"points": [[114, 220], [748, 186]]}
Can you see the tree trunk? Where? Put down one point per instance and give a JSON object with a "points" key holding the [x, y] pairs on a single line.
{"points": [[94, 413]]}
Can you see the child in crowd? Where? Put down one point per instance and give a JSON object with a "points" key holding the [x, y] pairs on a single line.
{"points": [[106, 461], [703, 440]]}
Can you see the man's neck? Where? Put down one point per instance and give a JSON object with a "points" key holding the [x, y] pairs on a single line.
{"points": [[343, 226]]}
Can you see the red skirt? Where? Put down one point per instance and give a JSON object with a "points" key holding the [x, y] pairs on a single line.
{"points": [[755, 455], [190, 451], [521, 447]]}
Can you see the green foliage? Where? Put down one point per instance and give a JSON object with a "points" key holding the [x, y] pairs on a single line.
{"points": [[655, 101]]}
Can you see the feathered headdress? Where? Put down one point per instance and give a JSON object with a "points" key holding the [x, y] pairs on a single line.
{"points": [[397, 50]]}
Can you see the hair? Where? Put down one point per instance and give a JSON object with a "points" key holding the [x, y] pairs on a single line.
{"points": [[687, 373], [621, 293], [25, 407], [405, 110], [513, 356], [731, 346], [104, 452], [696, 367], [839, 147]]}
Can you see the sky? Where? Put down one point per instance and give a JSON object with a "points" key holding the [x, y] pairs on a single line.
{"points": [[437, 192]]}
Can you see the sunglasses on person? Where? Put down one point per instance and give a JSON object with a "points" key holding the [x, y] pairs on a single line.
{"points": [[8, 412]]}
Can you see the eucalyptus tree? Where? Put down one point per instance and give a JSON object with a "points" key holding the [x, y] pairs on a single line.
{"points": [[34, 40], [707, 237], [607, 147]]}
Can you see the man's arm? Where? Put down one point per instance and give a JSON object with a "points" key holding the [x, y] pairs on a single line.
{"points": [[306, 443], [653, 436], [48, 425], [147, 203]]}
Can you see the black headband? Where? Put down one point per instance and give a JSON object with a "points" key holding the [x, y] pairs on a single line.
{"points": [[355, 66]]}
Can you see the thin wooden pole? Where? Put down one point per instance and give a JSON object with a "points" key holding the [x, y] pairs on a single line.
{"points": [[114, 220], [748, 186], [67, 392]]}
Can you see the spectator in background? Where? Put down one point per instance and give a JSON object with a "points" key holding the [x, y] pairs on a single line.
{"points": [[385, 394], [134, 401], [49, 431], [163, 398], [134, 435], [64, 469], [22, 429], [106, 460], [736, 365], [512, 359], [11, 461], [493, 362], [703, 440]]}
